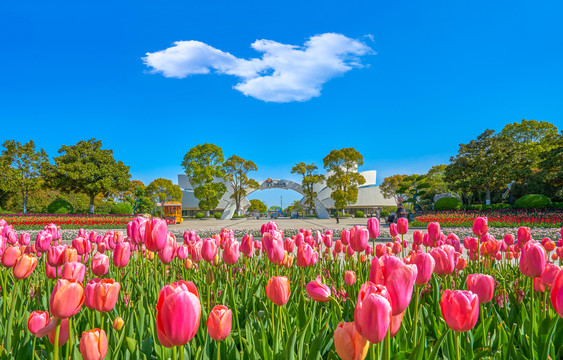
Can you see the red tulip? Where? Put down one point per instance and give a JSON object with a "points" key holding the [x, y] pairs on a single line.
{"points": [[73, 271], [348, 342], [480, 226], [66, 299], [460, 309], [524, 235], [277, 290], [105, 295], [93, 344], [425, 264], [482, 285], [317, 290], [219, 322], [417, 237], [509, 239], [178, 313], [548, 275], [461, 264], [100, 264], [532, 259], [372, 315]]}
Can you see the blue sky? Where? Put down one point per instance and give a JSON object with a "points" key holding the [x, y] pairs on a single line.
{"points": [[439, 73]]}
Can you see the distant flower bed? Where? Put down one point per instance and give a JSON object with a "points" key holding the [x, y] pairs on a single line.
{"points": [[497, 218], [69, 221]]}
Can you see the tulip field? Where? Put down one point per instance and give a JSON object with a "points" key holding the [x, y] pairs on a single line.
{"points": [[144, 293], [497, 218], [69, 221]]}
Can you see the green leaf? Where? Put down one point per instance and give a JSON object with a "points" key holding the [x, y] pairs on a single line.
{"points": [[131, 344], [436, 347]]}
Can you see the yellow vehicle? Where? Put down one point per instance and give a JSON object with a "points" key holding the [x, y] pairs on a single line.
{"points": [[172, 212]]}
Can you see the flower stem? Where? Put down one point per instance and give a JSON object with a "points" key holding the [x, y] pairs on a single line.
{"points": [[532, 310], [417, 295], [387, 346], [56, 349], [481, 310], [456, 340], [218, 350]]}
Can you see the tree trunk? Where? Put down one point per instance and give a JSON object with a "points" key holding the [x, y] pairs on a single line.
{"points": [[488, 197], [92, 204], [24, 201]]}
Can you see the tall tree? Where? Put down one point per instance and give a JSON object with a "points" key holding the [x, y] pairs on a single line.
{"points": [[89, 169], [162, 190], [236, 172], [390, 187], [310, 177], [204, 165], [414, 186], [22, 168], [344, 178]]}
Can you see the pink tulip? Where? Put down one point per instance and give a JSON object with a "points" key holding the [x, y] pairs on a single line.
{"points": [[135, 230], [73, 271], [10, 256], [480, 226], [66, 299], [482, 285], [63, 332], [105, 295], [349, 277], [359, 240], [82, 245], [246, 245], [182, 252], [398, 277], [348, 343], [548, 275], [167, 253], [208, 250], [373, 228], [345, 237], [195, 251], [532, 259], [122, 254], [402, 226], [417, 237], [231, 252], [444, 256], [272, 242], [24, 239], [278, 290], [372, 315], [434, 231], [524, 235], [509, 239], [93, 344], [100, 264], [460, 309], [178, 313], [557, 294], [393, 230], [395, 325], [43, 241], [219, 322], [425, 264], [156, 233], [327, 240], [317, 290], [304, 255], [37, 320], [288, 245], [55, 255], [54, 230]]}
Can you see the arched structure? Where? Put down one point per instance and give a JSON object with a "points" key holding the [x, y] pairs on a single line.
{"points": [[322, 212]]}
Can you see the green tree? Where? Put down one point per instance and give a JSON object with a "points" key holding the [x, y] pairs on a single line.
{"points": [[236, 172], [310, 177], [551, 167], [413, 186], [344, 178], [257, 205], [390, 187], [203, 164], [88, 169], [22, 168], [162, 190]]}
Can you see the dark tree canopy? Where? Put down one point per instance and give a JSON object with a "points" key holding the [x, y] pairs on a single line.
{"points": [[89, 169], [237, 169], [310, 177]]}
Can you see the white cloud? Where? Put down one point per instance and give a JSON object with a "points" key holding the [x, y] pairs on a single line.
{"points": [[284, 73]]}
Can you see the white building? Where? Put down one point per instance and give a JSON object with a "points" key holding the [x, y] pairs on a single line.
{"points": [[369, 196]]}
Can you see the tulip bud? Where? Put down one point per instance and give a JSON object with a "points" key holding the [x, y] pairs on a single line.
{"points": [[118, 323], [209, 278]]}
